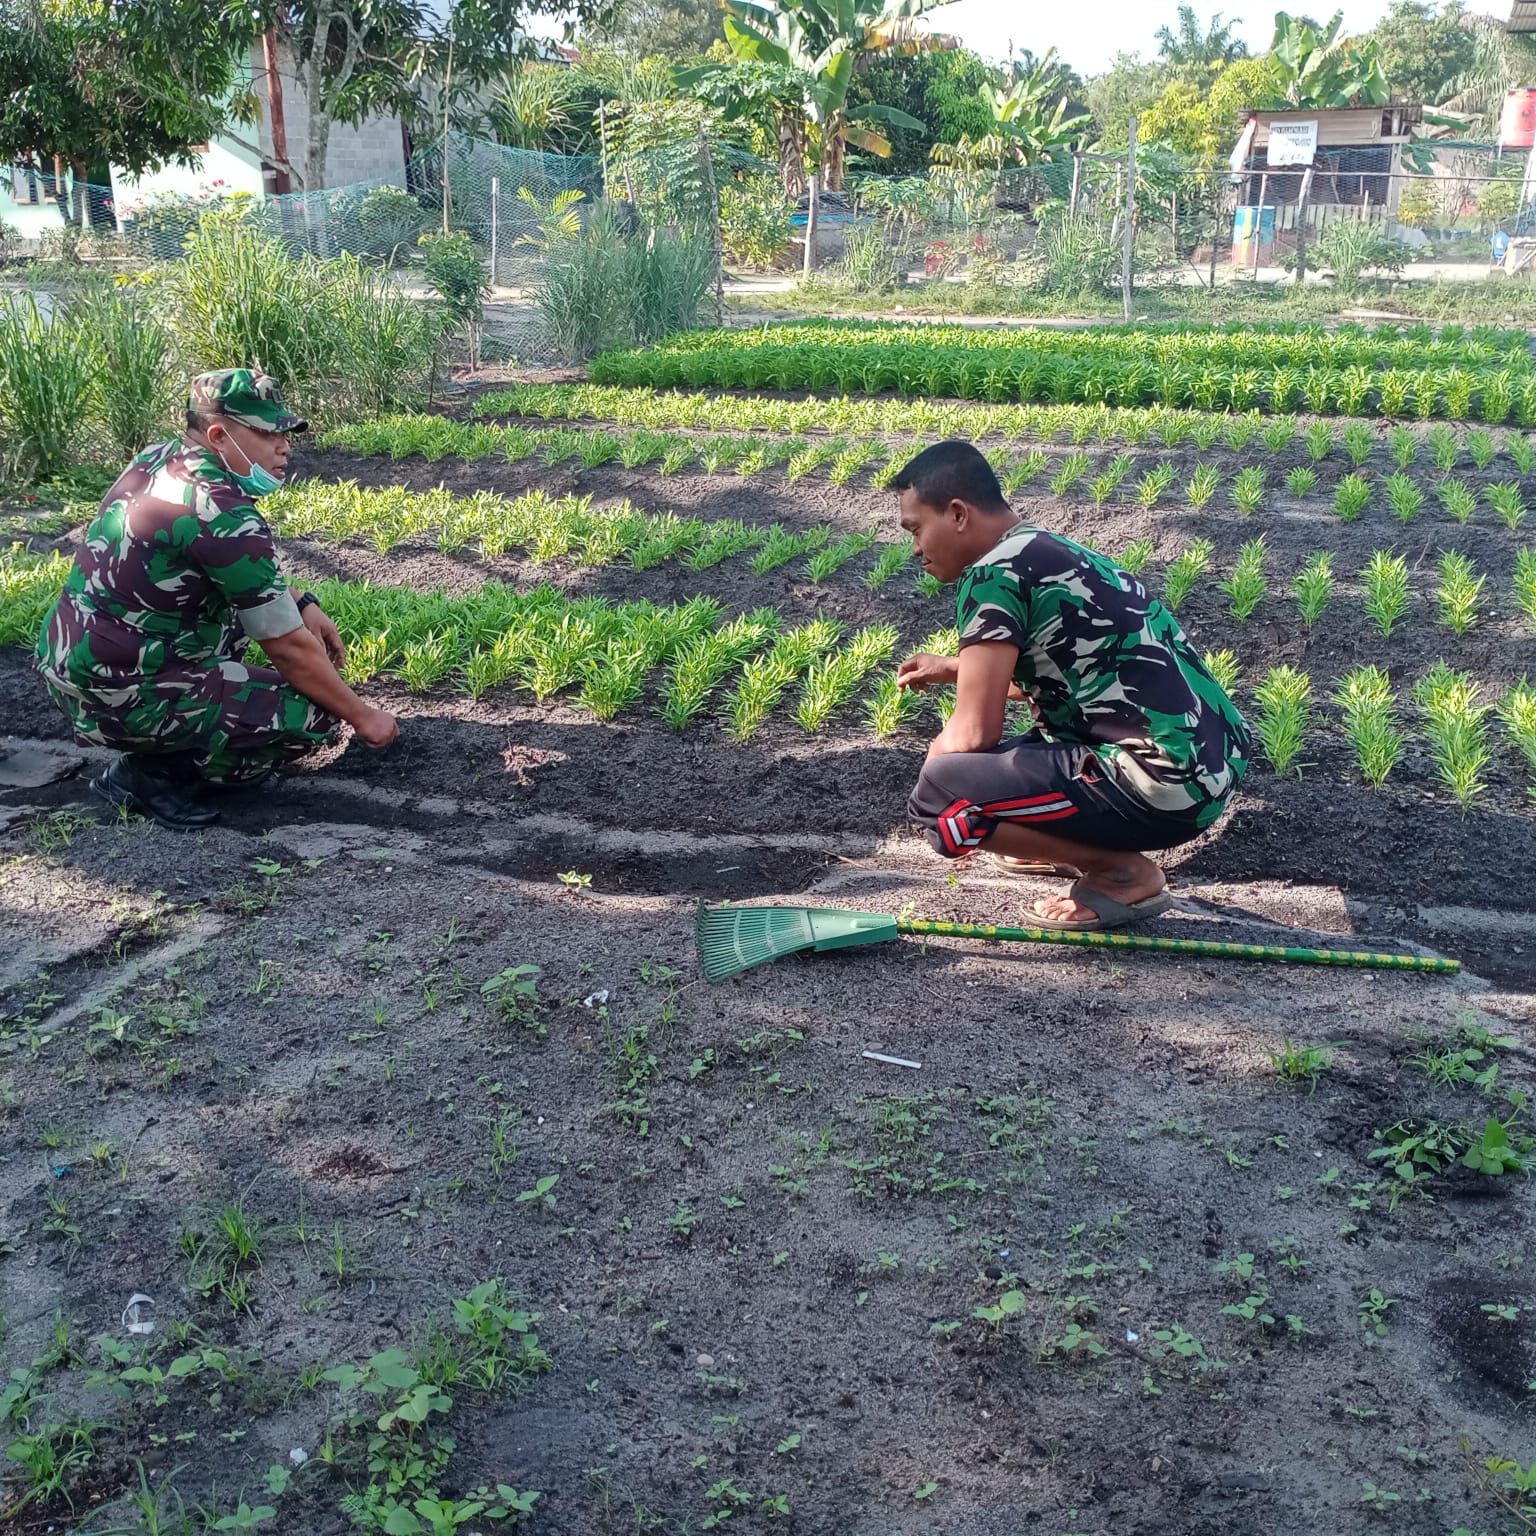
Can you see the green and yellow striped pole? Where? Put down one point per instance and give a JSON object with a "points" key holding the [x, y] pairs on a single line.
{"points": [[926, 927]]}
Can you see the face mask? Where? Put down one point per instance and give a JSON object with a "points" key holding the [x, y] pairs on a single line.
{"points": [[256, 481]]}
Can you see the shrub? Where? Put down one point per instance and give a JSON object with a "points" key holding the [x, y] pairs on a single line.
{"points": [[132, 356], [602, 288], [1073, 255], [48, 375], [870, 263], [754, 220], [1348, 246], [452, 262], [389, 221]]}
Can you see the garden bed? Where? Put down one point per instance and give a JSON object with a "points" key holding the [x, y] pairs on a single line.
{"points": [[306, 1100]]}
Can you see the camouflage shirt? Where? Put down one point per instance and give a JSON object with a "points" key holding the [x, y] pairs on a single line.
{"points": [[1107, 665], [176, 566]]}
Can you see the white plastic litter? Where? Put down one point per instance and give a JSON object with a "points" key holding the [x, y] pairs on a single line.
{"points": [[892, 1061], [138, 1314], [595, 999], [298, 1456]]}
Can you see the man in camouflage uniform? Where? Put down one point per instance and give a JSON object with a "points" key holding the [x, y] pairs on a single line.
{"points": [[177, 575], [1136, 746]]}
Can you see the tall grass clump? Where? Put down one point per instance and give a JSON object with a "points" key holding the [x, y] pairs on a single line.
{"points": [[133, 352], [605, 289], [48, 374], [339, 336]]}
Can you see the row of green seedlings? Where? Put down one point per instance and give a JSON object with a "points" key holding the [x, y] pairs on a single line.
{"points": [[936, 420], [1384, 582], [1454, 714], [1036, 370], [549, 528], [547, 643], [845, 460]]}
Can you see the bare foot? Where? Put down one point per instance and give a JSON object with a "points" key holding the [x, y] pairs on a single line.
{"points": [[1130, 881]]}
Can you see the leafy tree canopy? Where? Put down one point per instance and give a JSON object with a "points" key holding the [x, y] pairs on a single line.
{"points": [[1425, 48]]}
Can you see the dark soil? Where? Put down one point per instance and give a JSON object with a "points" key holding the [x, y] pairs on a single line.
{"points": [[759, 1233]]}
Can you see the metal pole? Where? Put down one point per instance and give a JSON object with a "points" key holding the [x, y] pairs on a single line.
{"points": [[1129, 233], [810, 225], [1077, 177], [495, 210]]}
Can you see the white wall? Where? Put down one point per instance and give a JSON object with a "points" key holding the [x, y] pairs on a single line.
{"points": [[224, 170]]}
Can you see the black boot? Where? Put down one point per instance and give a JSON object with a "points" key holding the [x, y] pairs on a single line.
{"points": [[138, 782]]}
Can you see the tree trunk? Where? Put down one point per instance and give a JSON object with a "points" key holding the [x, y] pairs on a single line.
{"points": [[792, 153], [836, 156], [82, 195]]}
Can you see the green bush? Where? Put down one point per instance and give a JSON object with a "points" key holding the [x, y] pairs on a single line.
{"points": [[453, 268], [133, 385], [48, 374], [754, 220], [1073, 255], [870, 263], [1348, 246], [388, 219], [340, 337], [603, 289]]}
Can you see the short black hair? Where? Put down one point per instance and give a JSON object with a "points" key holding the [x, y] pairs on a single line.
{"points": [[198, 422], [953, 471]]}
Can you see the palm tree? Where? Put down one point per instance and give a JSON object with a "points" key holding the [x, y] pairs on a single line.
{"points": [[801, 56], [1191, 51], [1503, 61]]}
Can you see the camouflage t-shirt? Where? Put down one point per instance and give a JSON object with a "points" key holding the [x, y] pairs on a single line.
{"points": [[177, 564], [1107, 665]]}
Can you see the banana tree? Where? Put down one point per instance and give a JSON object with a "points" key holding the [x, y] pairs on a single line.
{"points": [[1028, 135], [1323, 69], [801, 56]]}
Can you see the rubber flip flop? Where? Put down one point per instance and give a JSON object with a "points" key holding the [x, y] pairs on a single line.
{"points": [[1110, 913], [1012, 866]]}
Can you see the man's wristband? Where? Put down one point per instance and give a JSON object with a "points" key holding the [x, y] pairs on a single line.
{"points": [[308, 600]]}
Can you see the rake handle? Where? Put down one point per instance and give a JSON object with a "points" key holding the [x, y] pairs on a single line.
{"points": [[1216, 950]]}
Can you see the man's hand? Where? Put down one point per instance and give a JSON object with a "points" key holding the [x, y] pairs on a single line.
{"points": [[377, 727], [319, 624], [925, 671]]}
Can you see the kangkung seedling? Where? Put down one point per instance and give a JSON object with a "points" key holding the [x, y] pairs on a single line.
{"points": [[1135, 555], [781, 546], [1017, 473], [1457, 499], [1313, 587], [1385, 581], [1403, 445], [893, 559], [1525, 583], [1301, 480], [1404, 497], [1521, 451], [833, 679], [1442, 446], [1459, 592], [1072, 469], [1518, 714], [1153, 485], [1278, 433], [764, 678], [1109, 482], [1285, 709], [1184, 572], [1248, 489], [1246, 587], [1506, 500], [833, 556], [1223, 666], [1319, 441], [1479, 446], [1351, 496], [1456, 724], [1359, 440], [1370, 722], [1202, 485]]}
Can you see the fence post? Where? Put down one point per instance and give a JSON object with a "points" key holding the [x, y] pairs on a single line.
{"points": [[810, 225], [718, 236], [1301, 227], [1077, 176], [1218, 207], [1175, 223], [1129, 233], [495, 211]]}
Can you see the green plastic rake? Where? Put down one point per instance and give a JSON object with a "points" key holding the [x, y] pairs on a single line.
{"points": [[734, 939]]}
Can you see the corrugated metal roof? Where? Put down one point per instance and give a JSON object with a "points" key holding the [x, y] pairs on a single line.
{"points": [[1522, 16]]}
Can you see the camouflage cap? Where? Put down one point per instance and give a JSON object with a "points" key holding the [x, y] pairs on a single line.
{"points": [[241, 394]]}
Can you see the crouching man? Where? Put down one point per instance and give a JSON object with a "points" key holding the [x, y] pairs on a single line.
{"points": [[178, 573], [1136, 746]]}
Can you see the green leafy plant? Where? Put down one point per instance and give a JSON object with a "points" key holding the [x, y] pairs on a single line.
{"points": [[1313, 587], [1456, 723], [1370, 722], [1506, 500], [1202, 485], [703, 663], [833, 556], [1404, 497], [1223, 666], [1284, 699], [1521, 451], [1248, 489], [1301, 1063], [1457, 499], [764, 678], [1072, 469], [1479, 446], [1443, 446], [1182, 574], [1152, 486], [1459, 592], [1403, 445], [1319, 441], [1385, 580], [1278, 433], [1246, 588], [1301, 480], [832, 679], [1135, 555], [1525, 583], [1518, 714], [1351, 496], [1359, 440]]}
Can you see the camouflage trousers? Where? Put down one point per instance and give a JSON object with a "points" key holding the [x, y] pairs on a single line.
{"points": [[233, 722]]}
